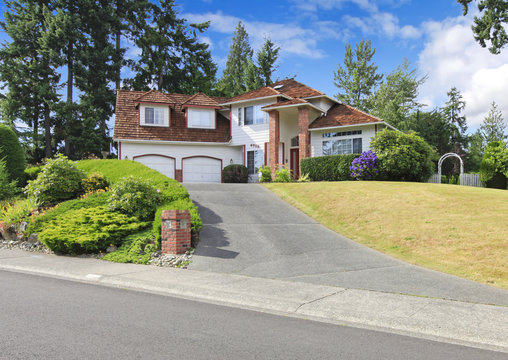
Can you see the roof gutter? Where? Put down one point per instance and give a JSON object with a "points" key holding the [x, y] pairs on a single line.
{"points": [[355, 125], [255, 99], [167, 142], [292, 105]]}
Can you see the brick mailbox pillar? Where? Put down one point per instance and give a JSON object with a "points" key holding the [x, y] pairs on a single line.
{"points": [[175, 231]]}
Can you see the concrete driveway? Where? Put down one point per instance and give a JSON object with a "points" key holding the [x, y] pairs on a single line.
{"points": [[249, 231]]}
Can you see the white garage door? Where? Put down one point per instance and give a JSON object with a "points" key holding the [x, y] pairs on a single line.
{"points": [[201, 169], [162, 164]]}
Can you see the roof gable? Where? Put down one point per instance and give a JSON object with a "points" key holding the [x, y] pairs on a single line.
{"points": [[200, 99], [343, 115], [155, 96]]}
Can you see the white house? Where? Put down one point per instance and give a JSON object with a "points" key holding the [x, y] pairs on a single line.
{"points": [[191, 138]]}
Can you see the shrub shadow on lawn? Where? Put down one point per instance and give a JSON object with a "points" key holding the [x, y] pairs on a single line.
{"points": [[212, 238]]}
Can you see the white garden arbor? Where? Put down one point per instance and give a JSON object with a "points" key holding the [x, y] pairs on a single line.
{"points": [[446, 156]]}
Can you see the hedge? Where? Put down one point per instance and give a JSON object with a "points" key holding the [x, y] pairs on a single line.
{"points": [[12, 152], [328, 168], [235, 173]]}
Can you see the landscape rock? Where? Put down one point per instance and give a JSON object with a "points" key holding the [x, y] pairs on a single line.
{"points": [[33, 238], [9, 233], [22, 227], [111, 248]]}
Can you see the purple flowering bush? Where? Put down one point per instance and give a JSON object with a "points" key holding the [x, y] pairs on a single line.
{"points": [[365, 167]]}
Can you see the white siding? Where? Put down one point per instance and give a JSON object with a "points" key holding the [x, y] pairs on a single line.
{"points": [[224, 152], [249, 134], [317, 139], [322, 103]]}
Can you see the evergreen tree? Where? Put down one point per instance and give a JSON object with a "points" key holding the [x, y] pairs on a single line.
{"points": [[172, 59], [395, 99], [491, 25], [453, 112], [266, 58], [474, 153], [232, 82], [493, 127], [28, 68], [358, 78], [433, 127], [251, 77]]}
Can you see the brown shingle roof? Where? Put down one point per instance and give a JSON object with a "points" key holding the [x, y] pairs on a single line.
{"points": [[342, 115], [285, 103], [200, 99], [127, 122], [261, 92], [295, 89], [154, 96]]}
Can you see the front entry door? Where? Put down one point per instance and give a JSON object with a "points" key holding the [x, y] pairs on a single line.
{"points": [[295, 163]]}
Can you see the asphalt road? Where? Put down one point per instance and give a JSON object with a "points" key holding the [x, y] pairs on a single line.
{"points": [[47, 318], [250, 231]]}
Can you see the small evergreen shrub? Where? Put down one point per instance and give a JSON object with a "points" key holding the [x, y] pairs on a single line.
{"points": [[31, 173], [94, 181], [59, 180], [266, 174], [328, 168], [12, 152], [8, 187], [283, 175], [89, 230], [235, 173], [134, 197], [494, 166], [365, 166], [17, 211], [91, 201], [136, 249], [403, 157]]}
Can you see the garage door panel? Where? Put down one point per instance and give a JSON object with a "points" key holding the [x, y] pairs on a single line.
{"points": [[201, 169], [162, 164]]}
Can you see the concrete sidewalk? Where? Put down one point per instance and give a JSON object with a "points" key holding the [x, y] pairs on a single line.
{"points": [[471, 324]]}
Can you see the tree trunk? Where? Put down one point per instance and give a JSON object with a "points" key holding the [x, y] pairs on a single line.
{"points": [[47, 130], [118, 37], [70, 108]]}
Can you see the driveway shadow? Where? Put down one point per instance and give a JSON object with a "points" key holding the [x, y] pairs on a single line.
{"points": [[212, 238]]}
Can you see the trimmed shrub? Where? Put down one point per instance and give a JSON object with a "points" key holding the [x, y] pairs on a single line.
{"points": [[494, 166], [266, 174], [88, 230], [59, 180], [8, 187], [136, 249], [94, 181], [283, 175], [328, 168], [134, 197], [235, 173], [365, 166], [182, 204], [90, 201], [403, 157], [12, 152]]}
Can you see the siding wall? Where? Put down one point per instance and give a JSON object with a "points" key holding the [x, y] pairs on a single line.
{"points": [[224, 152]]}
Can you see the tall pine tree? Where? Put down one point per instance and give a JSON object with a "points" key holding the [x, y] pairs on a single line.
{"points": [[266, 58], [232, 82], [358, 79]]}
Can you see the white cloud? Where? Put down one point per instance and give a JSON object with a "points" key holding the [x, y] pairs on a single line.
{"points": [[451, 57], [206, 40], [314, 5], [382, 23], [293, 39]]}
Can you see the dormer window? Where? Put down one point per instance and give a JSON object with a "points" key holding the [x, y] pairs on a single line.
{"points": [[201, 118], [154, 115]]}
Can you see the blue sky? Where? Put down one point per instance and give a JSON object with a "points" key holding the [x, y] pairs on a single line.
{"points": [[432, 34]]}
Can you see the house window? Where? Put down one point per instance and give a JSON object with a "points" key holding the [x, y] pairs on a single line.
{"points": [[253, 115], [295, 141], [154, 116], [201, 118], [249, 115], [342, 133], [255, 159], [346, 146]]}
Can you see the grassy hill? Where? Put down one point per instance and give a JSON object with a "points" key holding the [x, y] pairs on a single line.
{"points": [[454, 229]]}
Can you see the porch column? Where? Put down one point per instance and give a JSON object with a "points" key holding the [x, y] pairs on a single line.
{"points": [[274, 139], [303, 132]]}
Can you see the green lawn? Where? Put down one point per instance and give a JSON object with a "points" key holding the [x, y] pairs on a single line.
{"points": [[454, 229]]}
